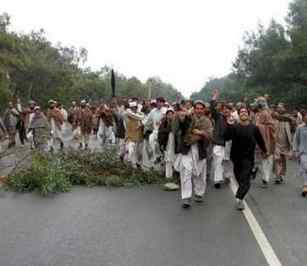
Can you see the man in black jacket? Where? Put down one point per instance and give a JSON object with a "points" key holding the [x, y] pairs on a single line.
{"points": [[192, 138], [220, 116], [244, 136]]}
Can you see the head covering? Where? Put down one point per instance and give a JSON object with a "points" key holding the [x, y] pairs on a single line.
{"points": [[152, 101], [83, 102], [200, 102], [51, 101], [161, 99], [133, 104], [207, 104], [36, 108], [170, 110]]}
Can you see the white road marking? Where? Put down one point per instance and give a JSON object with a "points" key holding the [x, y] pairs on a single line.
{"points": [[262, 240]]}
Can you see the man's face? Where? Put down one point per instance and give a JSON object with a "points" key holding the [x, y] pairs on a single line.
{"points": [[305, 118], [134, 109], [169, 115], [188, 105], [10, 105], [199, 110], [226, 112], [159, 104], [243, 114], [280, 109], [74, 103]]}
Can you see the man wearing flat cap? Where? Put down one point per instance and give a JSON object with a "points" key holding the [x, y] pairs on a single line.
{"points": [[134, 134], [193, 133], [55, 119], [85, 122], [151, 133]]}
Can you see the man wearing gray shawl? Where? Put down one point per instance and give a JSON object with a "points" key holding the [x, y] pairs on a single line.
{"points": [[40, 129]]}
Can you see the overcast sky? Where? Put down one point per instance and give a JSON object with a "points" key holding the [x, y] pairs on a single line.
{"points": [[183, 42]]}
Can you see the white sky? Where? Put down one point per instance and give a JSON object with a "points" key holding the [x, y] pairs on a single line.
{"points": [[183, 42]]}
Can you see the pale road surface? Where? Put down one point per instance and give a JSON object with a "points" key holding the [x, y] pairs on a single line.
{"points": [[146, 226]]}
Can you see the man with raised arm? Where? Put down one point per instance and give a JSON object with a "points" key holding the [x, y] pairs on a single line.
{"points": [[244, 136]]}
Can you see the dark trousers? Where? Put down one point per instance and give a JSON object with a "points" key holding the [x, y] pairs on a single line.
{"points": [[22, 131], [242, 170]]}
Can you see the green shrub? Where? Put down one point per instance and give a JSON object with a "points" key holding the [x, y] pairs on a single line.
{"points": [[49, 173]]}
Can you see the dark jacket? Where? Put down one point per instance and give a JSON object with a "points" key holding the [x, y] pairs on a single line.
{"points": [[220, 125], [180, 130], [120, 127], [244, 141], [163, 133]]}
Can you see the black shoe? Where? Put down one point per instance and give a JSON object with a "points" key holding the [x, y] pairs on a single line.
{"points": [[217, 185], [240, 205], [226, 180], [254, 173], [278, 180], [264, 184], [186, 204], [198, 199]]}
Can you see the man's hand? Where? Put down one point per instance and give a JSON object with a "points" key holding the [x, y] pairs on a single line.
{"points": [[200, 133], [266, 155]]}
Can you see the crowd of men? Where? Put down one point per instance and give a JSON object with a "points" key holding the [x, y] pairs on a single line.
{"points": [[192, 140]]}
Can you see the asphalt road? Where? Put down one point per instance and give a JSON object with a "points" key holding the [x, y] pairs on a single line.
{"points": [[146, 226]]}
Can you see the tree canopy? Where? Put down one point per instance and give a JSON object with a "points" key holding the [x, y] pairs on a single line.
{"points": [[273, 61], [32, 68]]}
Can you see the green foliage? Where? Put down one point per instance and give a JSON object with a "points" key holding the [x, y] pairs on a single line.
{"points": [[57, 173], [272, 61], [32, 68], [45, 175]]}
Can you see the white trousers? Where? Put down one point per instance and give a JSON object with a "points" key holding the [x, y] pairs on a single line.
{"points": [[134, 149], [218, 169], [266, 168], [169, 169], [85, 138], [303, 167], [191, 168], [122, 147]]}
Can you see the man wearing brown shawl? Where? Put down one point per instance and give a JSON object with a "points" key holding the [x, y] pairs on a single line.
{"points": [[283, 142], [40, 129], [105, 122], [85, 121], [192, 144], [56, 120], [266, 125]]}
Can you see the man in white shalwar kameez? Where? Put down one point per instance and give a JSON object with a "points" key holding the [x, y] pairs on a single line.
{"points": [[193, 164], [152, 125], [134, 135], [167, 142]]}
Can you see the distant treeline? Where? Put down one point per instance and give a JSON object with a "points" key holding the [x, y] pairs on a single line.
{"points": [[32, 68]]}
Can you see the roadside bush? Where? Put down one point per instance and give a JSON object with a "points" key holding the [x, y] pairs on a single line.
{"points": [[55, 173]]}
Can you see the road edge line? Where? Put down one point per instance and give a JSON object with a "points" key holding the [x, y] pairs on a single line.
{"points": [[257, 231]]}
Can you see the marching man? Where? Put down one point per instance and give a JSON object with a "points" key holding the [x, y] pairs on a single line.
{"points": [[85, 121], [196, 133], [134, 134], [56, 119]]}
